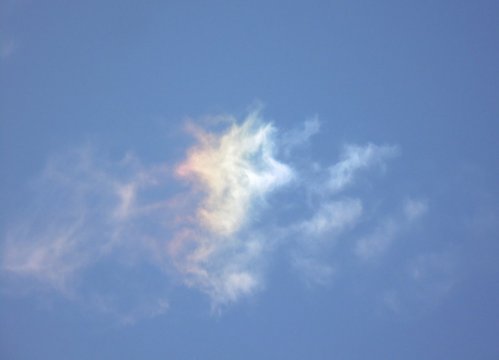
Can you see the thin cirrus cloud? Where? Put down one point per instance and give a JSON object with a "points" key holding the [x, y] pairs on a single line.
{"points": [[214, 233], [376, 243], [83, 210], [333, 216], [427, 279], [354, 159], [7, 48]]}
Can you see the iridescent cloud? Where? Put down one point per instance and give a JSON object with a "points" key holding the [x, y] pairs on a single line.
{"points": [[229, 217], [234, 171]]}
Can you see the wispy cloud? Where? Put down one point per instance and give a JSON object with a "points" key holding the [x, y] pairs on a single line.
{"points": [[145, 309], [221, 227], [84, 212], [333, 216], [354, 159], [415, 208], [378, 241], [52, 257], [297, 137], [426, 280], [314, 271], [7, 48]]}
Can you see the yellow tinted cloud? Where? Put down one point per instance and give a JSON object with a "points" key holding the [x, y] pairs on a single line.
{"points": [[234, 170]]}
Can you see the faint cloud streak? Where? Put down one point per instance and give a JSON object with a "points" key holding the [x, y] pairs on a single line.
{"points": [[354, 159]]}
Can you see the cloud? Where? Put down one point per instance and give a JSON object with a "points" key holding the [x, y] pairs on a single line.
{"points": [[313, 271], [212, 221], [428, 278], [53, 258], [376, 243], [379, 240], [333, 216], [235, 171], [7, 48], [354, 159], [84, 212], [298, 137], [414, 209], [127, 316], [434, 271]]}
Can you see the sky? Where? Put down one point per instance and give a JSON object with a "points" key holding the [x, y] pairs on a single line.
{"points": [[249, 180]]}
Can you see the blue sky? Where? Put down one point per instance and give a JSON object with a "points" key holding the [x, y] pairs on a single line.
{"points": [[240, 180]]}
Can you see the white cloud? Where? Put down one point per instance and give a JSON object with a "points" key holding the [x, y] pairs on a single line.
{"points": [[428, 279], [145, 309], [414, 209], [354, 159], [85, 211], [391, 300], [376, 243], [333, 216], [433, 267], [235, 171], [381, 238], [52, 257], [313, 271], [298, 137], [7, 48]]}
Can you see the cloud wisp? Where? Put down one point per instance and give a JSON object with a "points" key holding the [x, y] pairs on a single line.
{"points": [[215, 232], [377, 242], [354, 159]]}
